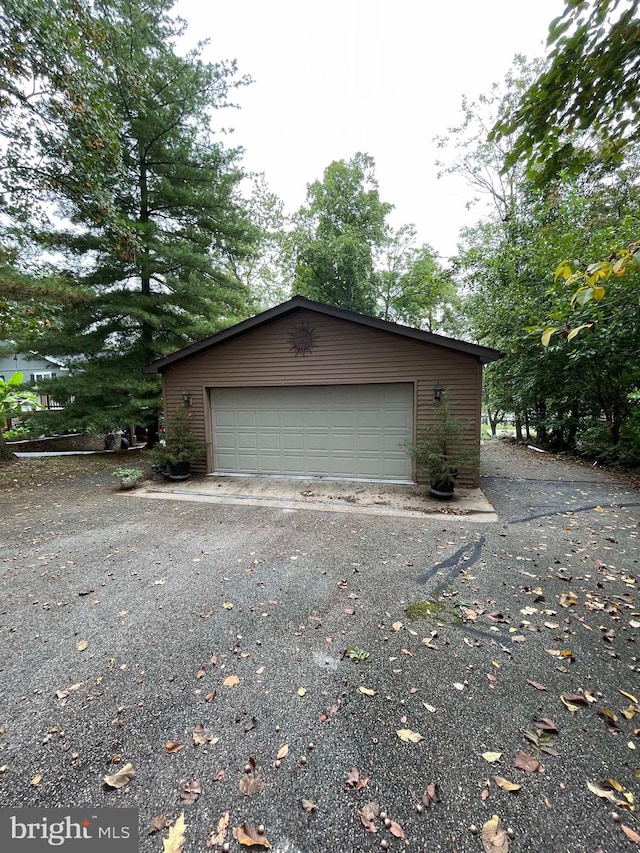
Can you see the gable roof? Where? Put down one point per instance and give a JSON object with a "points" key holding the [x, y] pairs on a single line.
{"points": [[483, 354]]}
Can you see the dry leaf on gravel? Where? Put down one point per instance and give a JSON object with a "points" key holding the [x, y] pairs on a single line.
{"points": [[505, 784], [430, 795], [174, 842], [491, 757], [81, 645], [248, 835], [367, 814], [395, 829], [307, 805], [526, 762], [536, 684], [367, 691], [408, 736], [38, 778], [171, 746], [283, 751], [631, 834], [219, 834], [231, 681], [158, 823], [121, 778], [251, 783], [190, 791], [202, 735], [494, 838], [352, 777]]}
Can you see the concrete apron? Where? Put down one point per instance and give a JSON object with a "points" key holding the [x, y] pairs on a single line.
{"points": [[318, 494]]}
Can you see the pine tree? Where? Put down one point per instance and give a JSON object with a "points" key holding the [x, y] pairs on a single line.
{"points": [[151, 238]]}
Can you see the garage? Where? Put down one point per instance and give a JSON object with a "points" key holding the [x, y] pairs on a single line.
{"points": [[314, 390], [344, 431]]}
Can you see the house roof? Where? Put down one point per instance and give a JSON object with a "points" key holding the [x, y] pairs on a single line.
{"points": [[483, 354]]}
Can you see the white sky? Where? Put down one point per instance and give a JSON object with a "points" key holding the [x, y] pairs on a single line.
{"points": [[332, 77]]}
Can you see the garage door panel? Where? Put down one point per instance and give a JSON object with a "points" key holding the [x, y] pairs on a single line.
{"points": [[340, 430]]}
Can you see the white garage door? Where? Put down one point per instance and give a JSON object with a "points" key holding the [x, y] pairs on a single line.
{"points": [[354, 431]]}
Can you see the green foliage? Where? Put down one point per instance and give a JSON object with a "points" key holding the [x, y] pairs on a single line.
{"points": [[128, 473], [12, 398], [587, 99], [412, 287], [357, 655], [443, 447], [180, 442], [151, 214], [337, 233]]}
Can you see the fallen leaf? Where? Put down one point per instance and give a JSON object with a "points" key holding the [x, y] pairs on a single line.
{"points": [[395, 829], [231, 681], [172, 747], [397, 626], [458, 685], [604, 793], [545, 724], [82, 645], [307, 805], [630, 833], [536, 684], [616, 786], [352, 777], [217, 776], [228, 605], [408, 736], [248, 835], [190, 791], [526, 762], [573, 709], [491, 757], [201, 673], [158, 823], [367, 815], [503, 783], [629, 695], [430, 795], [598, 509], [494, 838], [121, 778], [37, 779], [367, 691], [202, 735], [251, 783], [283, 751], [301, 691], [174, 842]]}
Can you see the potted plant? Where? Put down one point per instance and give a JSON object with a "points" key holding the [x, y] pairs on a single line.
{"points": [[128, 477], [180, 449], [440, 452]]}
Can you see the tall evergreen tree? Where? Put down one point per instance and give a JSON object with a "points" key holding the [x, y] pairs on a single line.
{"points": [[150, 240]]}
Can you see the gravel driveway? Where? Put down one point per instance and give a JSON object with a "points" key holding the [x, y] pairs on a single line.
{"points": [[127, 624]]}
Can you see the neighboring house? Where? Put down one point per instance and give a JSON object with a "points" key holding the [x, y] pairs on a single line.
{"points": [[307, 389], [33, 368]]}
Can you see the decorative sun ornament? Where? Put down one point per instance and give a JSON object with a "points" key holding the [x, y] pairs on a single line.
{"points": [[302, 339]]}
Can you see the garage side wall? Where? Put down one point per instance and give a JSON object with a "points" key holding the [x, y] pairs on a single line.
{"points": [[340, 353]]}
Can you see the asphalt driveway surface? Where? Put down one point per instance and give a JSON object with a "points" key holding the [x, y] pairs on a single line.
{"points": [[125, 624]]}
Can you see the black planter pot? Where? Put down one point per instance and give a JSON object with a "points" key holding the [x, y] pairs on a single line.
{"points": [[443, 490], [178, 470]]}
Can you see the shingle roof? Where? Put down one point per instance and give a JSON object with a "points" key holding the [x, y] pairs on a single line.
{"points": [[483, 354]]}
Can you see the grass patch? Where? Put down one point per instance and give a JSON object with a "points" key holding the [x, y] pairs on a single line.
{"points": [[426, 609]]}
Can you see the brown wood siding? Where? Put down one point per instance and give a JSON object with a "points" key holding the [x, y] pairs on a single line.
{"points": [[342, 353]]}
